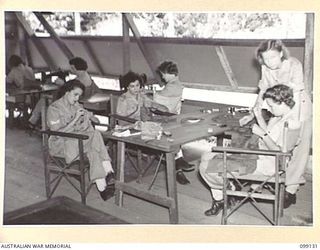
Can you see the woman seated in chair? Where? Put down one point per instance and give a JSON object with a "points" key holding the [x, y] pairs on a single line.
{"points": [[281, 103], [67, 115], [19, 73], [134, 103]]}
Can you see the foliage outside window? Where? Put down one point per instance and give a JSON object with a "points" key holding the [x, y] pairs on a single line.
{"points": [[170, 24]]}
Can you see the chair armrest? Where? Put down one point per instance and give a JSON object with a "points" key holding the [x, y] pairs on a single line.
{"points": [[64, 134], [123, 118], [250, 151], [100, 124]]}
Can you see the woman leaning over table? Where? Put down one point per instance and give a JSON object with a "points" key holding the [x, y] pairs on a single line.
{"points": [[277, 67], [281, 102], [67, 115]]}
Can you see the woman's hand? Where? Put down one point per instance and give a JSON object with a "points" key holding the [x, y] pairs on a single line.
{"points": [[257, 130], [244, 120], [80, 112], [94, 120], [257, 112]]}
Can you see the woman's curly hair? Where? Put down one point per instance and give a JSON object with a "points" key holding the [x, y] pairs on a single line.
{"points": [[280, 93], [68, 86], [169, 67], [130, 77]]}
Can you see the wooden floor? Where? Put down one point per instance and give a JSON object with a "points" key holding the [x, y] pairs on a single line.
{"points": [[24, 185]]}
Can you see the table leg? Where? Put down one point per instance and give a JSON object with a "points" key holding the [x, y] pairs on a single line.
{"points": [[11, 115], [120, 171], [172, 187]]}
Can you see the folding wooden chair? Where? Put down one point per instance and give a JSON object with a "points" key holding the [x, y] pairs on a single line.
{"points": [[270, 188], [133, 154], [75, 173]]}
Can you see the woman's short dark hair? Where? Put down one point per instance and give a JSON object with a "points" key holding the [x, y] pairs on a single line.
{"points": [[271, 45], [130, 77], [70, 85], [78, 63], [14, 61], [168, 67], [280, 93]]}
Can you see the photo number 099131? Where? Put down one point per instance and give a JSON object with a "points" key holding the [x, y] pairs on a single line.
{"points": [[308, 246]]}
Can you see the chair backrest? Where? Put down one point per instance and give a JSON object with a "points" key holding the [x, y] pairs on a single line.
{"points": [[113, 103], [46, 99], [114, 117]]}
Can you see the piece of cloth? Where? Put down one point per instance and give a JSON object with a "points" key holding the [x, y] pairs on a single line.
{"points": [[59, 115], [101, 184]]}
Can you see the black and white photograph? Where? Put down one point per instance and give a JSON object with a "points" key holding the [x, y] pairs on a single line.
{"points": [[158, 118]]}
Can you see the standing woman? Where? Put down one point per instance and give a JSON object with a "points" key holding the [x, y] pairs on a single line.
{"points": [[67, 115], [277, 67]]}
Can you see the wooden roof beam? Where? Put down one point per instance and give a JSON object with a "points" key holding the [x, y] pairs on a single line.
{"points": [[68, 53], [125, 45], [147, 55], [38, 44], [226, 66], [23, 22]]}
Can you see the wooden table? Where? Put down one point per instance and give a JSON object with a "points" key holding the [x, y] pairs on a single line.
{"points": [[19, 96], [182, 132]]}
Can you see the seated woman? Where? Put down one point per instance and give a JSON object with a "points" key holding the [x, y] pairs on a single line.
{"points": [[134, 103], [19, 73], [171, 97], [171, 94], [78, 66], [281, 102], [67, 115]]}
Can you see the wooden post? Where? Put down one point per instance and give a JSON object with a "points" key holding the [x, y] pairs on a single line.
{"points": [[308, 52], [22, 44], [126, 45], [36, 41], [226, 66]]}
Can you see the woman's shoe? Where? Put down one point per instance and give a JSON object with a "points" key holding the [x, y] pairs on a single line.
{"points": [[215, 209], [181, 178], [289, 199], [183, 165], [107, 193], [31, 126], [110, 180]]}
